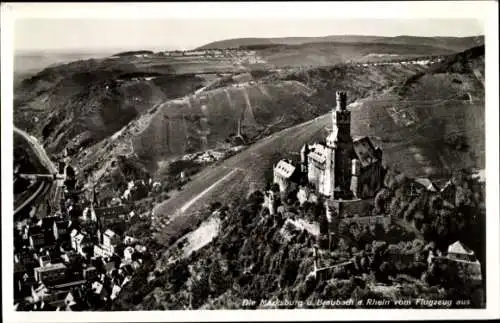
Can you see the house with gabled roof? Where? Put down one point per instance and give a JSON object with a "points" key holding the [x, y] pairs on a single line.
{"points": [[284, 173], [111, 239], [51, 273], [427, 184], [458, 251]]}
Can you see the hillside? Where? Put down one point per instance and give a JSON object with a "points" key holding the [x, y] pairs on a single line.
{"points": [[428, 138], [331, 53], [458, 73], [261, 104], [413, 150], [450, 43], [95, 97]]}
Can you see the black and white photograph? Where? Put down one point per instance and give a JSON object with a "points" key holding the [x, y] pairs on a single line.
{"points": [[247, 160]]}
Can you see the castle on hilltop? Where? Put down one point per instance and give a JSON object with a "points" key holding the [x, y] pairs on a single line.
{"points": [[346, 172]]}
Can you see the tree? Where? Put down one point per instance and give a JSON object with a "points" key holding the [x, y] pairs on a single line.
{"points": [[178, 274], [381, 200], [382, 274], [323, 224], [199, 289], [217, 279], [289, 272], [257, 197]]}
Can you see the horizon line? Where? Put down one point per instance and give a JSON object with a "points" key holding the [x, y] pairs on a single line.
{"points": [[95, 50]]}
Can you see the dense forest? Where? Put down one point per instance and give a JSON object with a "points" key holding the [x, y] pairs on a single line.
{"points": [[258, 256]]}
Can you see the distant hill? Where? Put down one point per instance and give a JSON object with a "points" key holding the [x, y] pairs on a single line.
{"points": [[33, 62], [449, 43], [331, 53], [136, 52], [455, 74]]}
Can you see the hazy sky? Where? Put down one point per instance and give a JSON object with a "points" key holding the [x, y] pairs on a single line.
{"points": [[109, 35]]}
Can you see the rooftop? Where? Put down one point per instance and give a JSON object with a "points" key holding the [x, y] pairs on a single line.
{"points": [[109, 233], [365, 151], [284, 168], [459, 248], [427, 183], [318, 153], [51, 267]]}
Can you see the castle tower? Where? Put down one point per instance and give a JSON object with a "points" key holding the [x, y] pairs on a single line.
{"points": [[304, 152], [329, 181], [270, 202], [356, 168], [341, 151], [341, 119]]}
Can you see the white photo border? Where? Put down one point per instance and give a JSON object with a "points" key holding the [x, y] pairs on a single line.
{"points": [[485, 11]]}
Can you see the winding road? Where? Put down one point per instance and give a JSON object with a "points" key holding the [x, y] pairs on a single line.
{"points": [[46, 180]]}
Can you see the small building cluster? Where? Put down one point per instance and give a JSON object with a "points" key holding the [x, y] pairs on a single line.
{"points": [[73, 259], [207, 156]]}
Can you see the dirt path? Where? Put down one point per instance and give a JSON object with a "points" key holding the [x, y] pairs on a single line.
{"points": [[186, 206]]}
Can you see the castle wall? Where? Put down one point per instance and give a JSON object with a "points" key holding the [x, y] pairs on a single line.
{"points": [[385, 221], [353, 211], [315, 174], [370, 180], [469, 272], [282, 182], [327, 273], [269, 202], [343, 158], [349, 208]]}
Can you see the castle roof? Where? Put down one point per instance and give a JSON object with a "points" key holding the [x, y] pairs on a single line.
{"points": [[365, 151], [480, 176], [318, 153], [459, 248], [427, 183], [284, 169]]}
